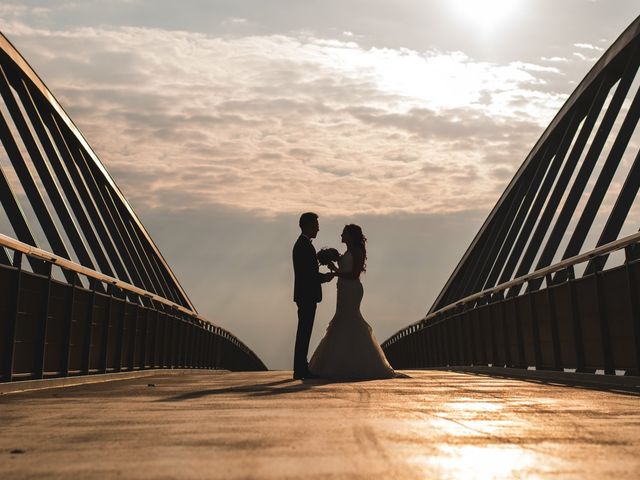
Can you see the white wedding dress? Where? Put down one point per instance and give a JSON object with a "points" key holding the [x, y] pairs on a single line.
{"points": [[349, 349]]}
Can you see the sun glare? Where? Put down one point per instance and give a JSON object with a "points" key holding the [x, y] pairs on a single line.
{"points": [[486, 14]]}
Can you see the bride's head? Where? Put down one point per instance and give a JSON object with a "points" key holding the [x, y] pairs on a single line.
{"points": [[352, 236]]}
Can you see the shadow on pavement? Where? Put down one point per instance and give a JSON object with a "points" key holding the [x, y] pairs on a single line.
{"points": [[255, 390], [557, 379], [279, 387]]}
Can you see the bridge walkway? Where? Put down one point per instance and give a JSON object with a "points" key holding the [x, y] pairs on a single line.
{"points": [[207, 424]]}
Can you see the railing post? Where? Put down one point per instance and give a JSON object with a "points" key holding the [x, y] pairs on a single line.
{"points": [[41, 338], [86, 347], [66, 333], [200, 331], [553, 320], [12, 319], [444, 347], [535, 332], [187, 341], [205, 347], [212, 349], [604, 326], [456, 341], [173, 340], [519, 334], [181, 341], [180, 334], [632, 284], [492, 333], [192, 344], [104, 346], [218, 351], [202, 347], [120, 335], [424, 351], [415, 360], [473, 334], [484, 335], [131, 358], [145, 335], [575, 320], [505, 333], [164, 351], [155, 361], [198, 345], [433, 348]]}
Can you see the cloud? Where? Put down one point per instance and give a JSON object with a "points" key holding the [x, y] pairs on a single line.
{"points": [[585, 58], [13, 11], [588, 46], [555, 59], [277, 123]]}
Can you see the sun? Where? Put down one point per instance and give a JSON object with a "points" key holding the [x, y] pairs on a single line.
{"points": [[485, 14]]}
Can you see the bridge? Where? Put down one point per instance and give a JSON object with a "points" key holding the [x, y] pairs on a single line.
{"points": [[527, 364]]}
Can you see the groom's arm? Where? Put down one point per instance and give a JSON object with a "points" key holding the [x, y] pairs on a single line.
{"points": [[326, 277], [313, 263], [306, 266], [314, 269], [356, 268]]}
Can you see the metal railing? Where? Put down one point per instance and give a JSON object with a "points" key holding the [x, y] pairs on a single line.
{"points": [[542, 273], [51, 328], [55, 191], [589, 323]]}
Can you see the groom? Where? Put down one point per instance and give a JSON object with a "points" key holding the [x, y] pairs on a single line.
{"points": [[307, 292]]}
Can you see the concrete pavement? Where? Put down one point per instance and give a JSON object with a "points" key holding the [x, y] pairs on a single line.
{"points": [[202, 424]]}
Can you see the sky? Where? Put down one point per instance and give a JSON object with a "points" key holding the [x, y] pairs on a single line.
{"points": [[222, 121]]}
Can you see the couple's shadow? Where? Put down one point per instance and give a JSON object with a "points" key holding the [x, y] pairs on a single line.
{"points": [[279, 387]]}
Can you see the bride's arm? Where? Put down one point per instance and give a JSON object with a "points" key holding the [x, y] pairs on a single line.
{"points": [[356, 268]]}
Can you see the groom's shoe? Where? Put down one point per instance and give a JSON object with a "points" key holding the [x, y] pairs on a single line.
{"points": [[303, 375]]}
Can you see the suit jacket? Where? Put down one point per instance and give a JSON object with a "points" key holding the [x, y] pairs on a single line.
{"points": [[307, 276]]}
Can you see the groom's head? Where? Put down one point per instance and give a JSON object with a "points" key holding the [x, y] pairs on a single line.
{"points": [[309, 224]]}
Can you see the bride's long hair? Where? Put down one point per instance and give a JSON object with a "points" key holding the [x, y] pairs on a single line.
{"points": [[355, 232]]}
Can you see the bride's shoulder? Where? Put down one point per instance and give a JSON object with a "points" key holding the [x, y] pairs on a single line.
{"points": [[355, 256]]}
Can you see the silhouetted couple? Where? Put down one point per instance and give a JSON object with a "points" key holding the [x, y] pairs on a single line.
{"points": [[349, 349]]}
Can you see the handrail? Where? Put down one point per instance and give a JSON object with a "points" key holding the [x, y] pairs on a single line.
{"points": [[596, 252], [27, 249], [13, 244]]}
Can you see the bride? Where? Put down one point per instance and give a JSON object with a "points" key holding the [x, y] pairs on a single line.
{"points": [[349, 349]]}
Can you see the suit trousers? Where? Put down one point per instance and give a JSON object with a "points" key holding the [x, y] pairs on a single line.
{"points": [[306, 316]]}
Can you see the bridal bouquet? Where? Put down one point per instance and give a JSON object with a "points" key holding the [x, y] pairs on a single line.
{"points": [[327, 255]]}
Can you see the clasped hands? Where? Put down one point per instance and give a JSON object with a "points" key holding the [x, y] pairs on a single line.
{"points": [[333, 273]]}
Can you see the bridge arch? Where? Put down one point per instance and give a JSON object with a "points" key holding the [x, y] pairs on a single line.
{"points": [[527, 293], [85, 288]]}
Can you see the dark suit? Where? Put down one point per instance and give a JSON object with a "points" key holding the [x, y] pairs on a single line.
{"points": [[307, 292]]}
